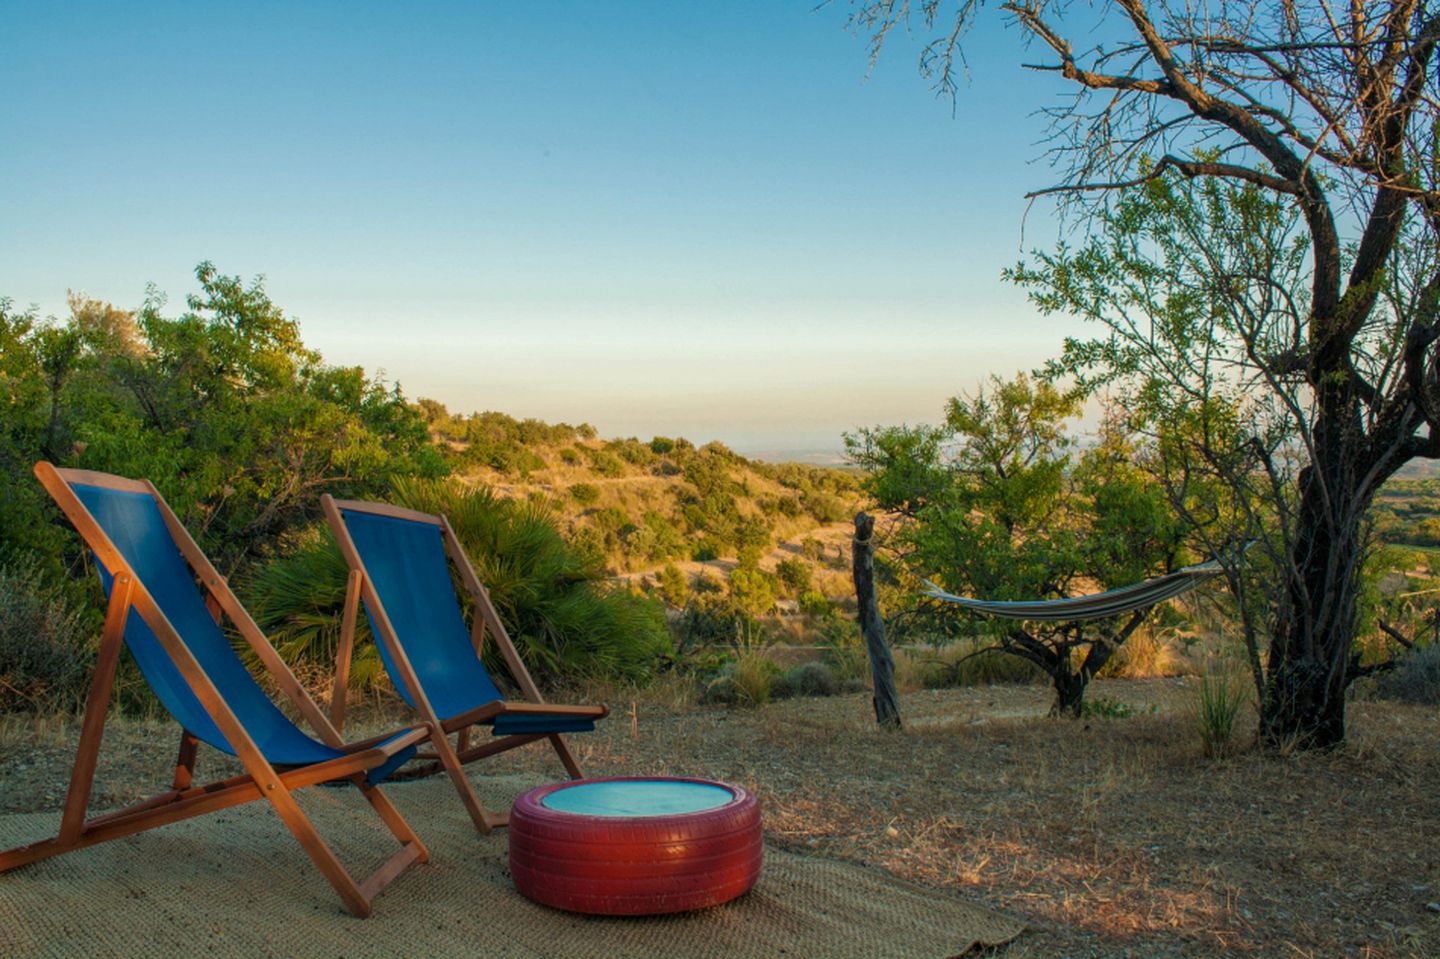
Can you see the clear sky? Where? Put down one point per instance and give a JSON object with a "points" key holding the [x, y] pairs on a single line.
{"points": [[696, 219]]}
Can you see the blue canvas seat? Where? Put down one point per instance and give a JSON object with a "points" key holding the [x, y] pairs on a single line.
{"points": [[159, 590], [400, 563]]}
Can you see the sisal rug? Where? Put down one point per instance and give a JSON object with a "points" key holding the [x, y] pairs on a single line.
{"points": [[236, 883]]}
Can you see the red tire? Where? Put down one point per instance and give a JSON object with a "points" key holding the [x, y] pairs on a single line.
{"points": [[635, 865]]}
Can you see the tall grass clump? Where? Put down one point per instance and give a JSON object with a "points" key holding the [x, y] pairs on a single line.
{"points": [[1218, 700], [754, 678], [45, 654], [567, 623], [1143, 656]]}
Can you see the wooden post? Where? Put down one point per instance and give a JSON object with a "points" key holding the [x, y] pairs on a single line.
{"points": [[882, 665]]}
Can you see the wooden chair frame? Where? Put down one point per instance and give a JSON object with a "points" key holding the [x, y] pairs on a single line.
{"points": [[485, 622], [261, 779]]}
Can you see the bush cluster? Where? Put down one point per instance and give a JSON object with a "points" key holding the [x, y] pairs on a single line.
{"points": [[45, 654], [1415, 678], [565, 620]]}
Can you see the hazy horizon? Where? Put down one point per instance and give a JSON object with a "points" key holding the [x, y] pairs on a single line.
{"points": [[657, 219]]}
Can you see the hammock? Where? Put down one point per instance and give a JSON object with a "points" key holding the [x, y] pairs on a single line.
{"points": [[1112, 602]]}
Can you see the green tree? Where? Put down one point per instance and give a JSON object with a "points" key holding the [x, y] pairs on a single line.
{"points": [[223, 407], [1200, 288], [996, 504]]}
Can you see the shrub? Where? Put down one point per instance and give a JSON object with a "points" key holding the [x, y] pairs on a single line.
{"points": [[296, 600], [662, 445], [44, 656], [795, 574], [970, 663], [674, 587], [668, 541], [806, 679], [632, 451], [814, 603], [722, 688], [1141, 656], [584, 493], [754, 678], [996, 668], [605, 463], [1415, 678], [845, 654], [825, 508], [1217, 704], [569, 455], [565, 621]]}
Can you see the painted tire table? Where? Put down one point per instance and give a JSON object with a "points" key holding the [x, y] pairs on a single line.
{"points": [[628, 846]]}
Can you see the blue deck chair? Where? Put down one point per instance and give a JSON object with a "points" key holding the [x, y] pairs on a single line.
{"points": [[149, 566], [400, 568]]}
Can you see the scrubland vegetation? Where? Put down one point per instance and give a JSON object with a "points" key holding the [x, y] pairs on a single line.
{"points": [[613, 559]]}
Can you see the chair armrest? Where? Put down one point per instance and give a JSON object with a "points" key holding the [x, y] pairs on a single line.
{"points": [[546, 709], [392, 742], [498, 708]]}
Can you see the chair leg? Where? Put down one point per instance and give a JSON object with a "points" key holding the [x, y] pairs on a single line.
{"points": [[566, 757], [396, 823], [319, 851], [484, 819], [185, 760]]}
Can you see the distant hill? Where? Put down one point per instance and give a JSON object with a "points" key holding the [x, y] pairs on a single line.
{"points": [[1419, 469], [836, 458], [643, 505]]}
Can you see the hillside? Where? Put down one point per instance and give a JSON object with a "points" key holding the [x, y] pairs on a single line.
{"points": [[644, 507]]}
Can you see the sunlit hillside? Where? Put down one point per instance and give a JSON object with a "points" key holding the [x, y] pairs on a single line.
{"points": [[649, 506]]}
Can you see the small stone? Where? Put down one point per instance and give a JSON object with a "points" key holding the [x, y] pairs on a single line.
{"points": [[1433, 906], [892, 832]]}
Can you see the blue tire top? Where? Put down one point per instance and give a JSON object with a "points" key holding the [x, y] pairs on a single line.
{"points": [[632, 798]]}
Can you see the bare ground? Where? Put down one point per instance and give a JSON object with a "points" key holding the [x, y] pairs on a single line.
{"points": [[1111, 838]]}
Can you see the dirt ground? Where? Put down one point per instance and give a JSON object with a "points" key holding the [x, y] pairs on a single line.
{"points": [[1110, 838]]}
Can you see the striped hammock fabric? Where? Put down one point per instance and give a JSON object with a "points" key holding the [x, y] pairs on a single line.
{"points": [[1112, 602]]}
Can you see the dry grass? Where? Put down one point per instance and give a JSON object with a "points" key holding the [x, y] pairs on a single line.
{"points": [[1111, 838]]}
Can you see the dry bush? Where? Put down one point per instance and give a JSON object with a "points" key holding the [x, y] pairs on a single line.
{"points": [[44, 655], [1144, 656], [964, 663], [806, 679], [1415, 678]]}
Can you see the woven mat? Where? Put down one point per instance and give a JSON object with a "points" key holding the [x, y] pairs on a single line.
{"points": [[235, 883]]}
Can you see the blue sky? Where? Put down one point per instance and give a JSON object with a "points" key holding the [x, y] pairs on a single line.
{"points": [[697, 219]]}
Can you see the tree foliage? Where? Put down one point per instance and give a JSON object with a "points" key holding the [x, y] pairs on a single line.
{"points": [[223, 407]]}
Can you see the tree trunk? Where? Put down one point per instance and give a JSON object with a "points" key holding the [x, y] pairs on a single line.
{"points": [[1070, 684], [1069, 691], [882, 666], [1309, 662], [1308, 671]]}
